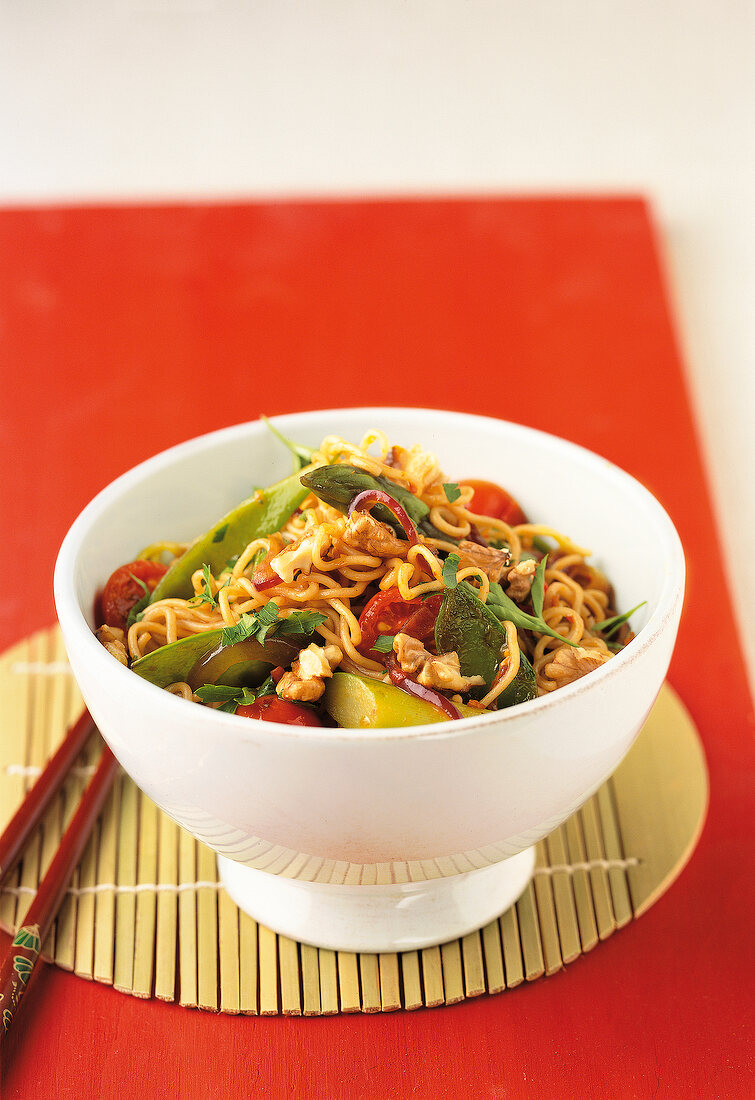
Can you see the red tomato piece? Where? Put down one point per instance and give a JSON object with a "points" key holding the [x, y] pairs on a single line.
{"points": [[264, 576], [389, 613], [490, 499], [272, 709], [123, 589]]}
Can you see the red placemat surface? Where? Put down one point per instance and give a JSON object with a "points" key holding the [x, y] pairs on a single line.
{"points": [[127, 329]]}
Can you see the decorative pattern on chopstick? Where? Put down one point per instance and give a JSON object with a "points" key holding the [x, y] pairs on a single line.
{"points": [[17, 966]]}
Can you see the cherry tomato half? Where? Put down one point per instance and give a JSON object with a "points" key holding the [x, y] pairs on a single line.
{"points": [[490, 499], [123, 590], [388, 613], [272, 709]]}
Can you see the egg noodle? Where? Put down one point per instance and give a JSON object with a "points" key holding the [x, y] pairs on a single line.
{"points": [[577, 596]]}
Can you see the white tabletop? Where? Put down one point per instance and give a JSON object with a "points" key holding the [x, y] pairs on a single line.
{"points": [[114, 99]]}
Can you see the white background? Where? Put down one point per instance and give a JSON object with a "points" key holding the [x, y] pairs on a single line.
{"points": [[112, 99]]}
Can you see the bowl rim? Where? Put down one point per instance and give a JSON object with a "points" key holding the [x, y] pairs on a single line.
{"points": [[75, 626]]}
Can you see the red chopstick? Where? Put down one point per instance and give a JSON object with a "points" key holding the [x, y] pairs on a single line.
{"points": [[27, 817], [17, 966]]}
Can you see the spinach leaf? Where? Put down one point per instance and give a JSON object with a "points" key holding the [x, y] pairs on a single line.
{"points": [[466, 625], [469, 627]]}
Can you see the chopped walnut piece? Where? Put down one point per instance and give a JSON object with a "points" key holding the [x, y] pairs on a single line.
{"points": [[520, 579], [440, 671], [296, 557], [366, 534], [113, 639], [410, 653], [306, 680], [492, 562], [570, 663]]}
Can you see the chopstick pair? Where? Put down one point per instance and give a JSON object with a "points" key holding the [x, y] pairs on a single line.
{"points": [[17, 966]]}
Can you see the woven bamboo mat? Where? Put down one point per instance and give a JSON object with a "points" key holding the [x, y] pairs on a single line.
{"points": [[146, 913]]}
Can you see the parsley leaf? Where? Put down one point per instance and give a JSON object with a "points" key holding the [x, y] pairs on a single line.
{"points": [[452, 490], [267, 687], [220, 533], [232, 697], [244, 628], [217, 693], [450, 565], [205, 596], [384, 643], [268, 621], [266, 618], [301, 622]]}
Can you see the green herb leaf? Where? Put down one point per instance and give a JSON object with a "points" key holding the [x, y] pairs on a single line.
{"points": [[220, 533], [537, 592], [244, 628], [504, 608], [608, 627], [141, 603], [267, 687], [231, 697], [268, 621], [217, 693], [450, 565], [384, 643], [303, 455], [135, 614], [205, 596], [301, 622], [452, 491], [265, 618]]}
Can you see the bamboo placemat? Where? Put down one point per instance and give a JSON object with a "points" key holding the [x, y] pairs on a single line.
{"points": [[146, 913]]}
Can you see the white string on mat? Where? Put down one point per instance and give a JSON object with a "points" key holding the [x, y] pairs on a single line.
{"points": [[82, 770], [589, 865], [177, 888], [113, 888]]}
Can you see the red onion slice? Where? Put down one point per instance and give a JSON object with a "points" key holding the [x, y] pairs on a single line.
{"points": [[363, 501], [411, 687]]}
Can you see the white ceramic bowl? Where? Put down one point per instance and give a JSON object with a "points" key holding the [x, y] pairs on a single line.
{"points": [[384, 839]]}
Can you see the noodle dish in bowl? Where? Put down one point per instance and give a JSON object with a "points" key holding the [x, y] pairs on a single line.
{"points": [[371, 638]]}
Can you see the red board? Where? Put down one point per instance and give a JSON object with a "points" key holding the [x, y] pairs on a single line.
{"points": [[125, 330]]}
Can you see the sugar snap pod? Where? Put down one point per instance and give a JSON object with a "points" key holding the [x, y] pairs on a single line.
{"points": [[261, 514]]}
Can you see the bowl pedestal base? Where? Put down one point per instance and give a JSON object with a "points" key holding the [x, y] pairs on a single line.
{"points": [[401, 916]]}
